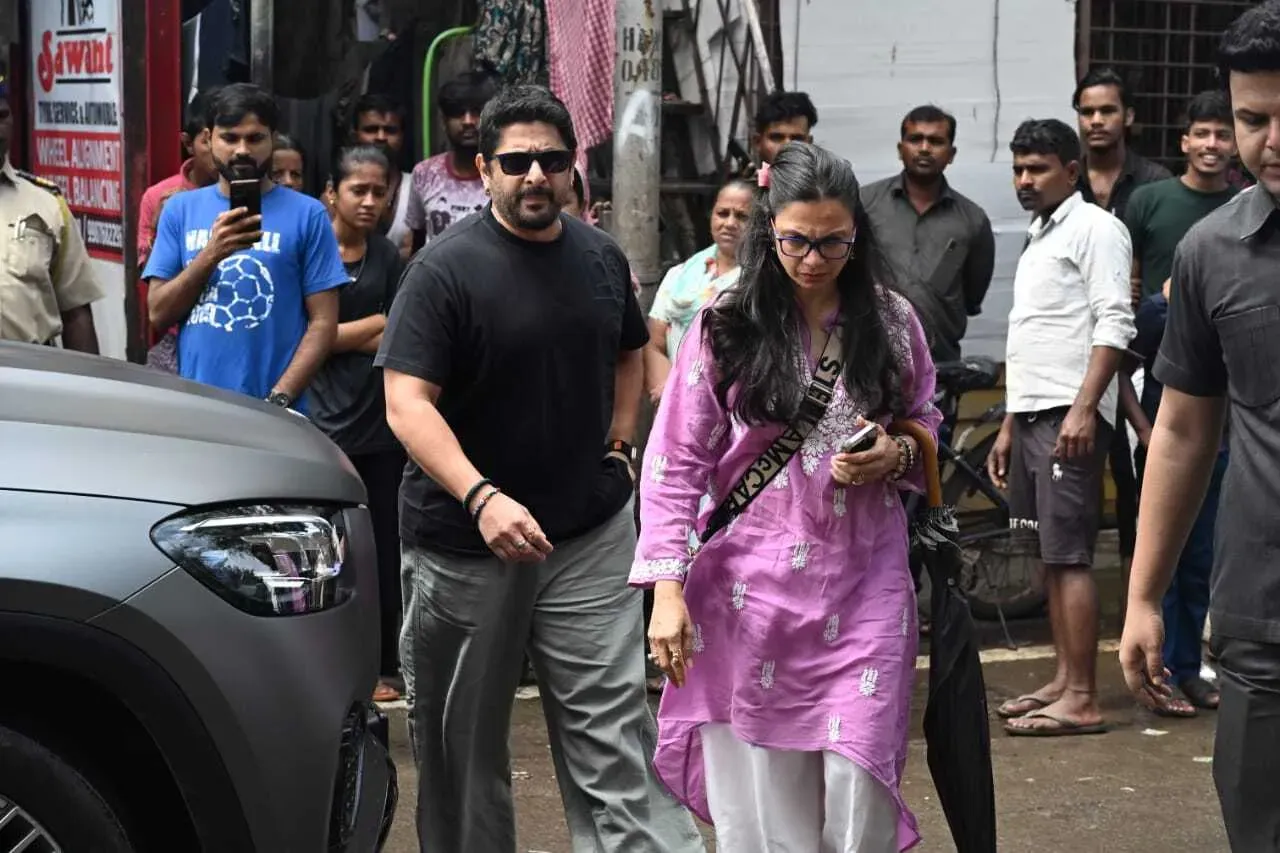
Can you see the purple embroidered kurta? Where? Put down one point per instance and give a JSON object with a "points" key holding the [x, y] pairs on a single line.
{"points": [[804, 610]]}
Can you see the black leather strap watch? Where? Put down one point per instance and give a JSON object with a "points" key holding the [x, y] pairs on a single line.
{"points": [[279, 398], [620, 446]]}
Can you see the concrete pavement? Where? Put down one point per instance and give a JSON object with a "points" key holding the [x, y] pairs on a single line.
{"points": [[1142, 787]]}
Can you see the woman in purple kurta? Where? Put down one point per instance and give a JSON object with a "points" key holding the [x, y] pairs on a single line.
{"points": [[800, 615]]}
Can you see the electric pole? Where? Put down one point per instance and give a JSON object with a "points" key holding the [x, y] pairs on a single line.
{"points": [[637, 138]]}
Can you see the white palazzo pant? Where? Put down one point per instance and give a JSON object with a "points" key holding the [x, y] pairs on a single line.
{"points": [[783, 801]]}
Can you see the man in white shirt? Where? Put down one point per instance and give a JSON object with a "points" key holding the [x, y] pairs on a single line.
{"points": [[1071, 322]]}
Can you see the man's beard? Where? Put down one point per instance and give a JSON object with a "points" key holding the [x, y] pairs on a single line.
{"points": [[465, 153], [509, 207], [465, 150], [1104, 144], [392, 155], [242, 168]]}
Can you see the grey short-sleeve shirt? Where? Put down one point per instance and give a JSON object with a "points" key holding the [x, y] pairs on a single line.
{"points": [[1223, 339]]}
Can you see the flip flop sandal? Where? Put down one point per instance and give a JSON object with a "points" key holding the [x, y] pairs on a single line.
{"points": [[1060, 728], [1201, 693], [1006, 711], [1175, 708]]}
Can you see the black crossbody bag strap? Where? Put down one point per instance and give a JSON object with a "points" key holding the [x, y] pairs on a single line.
{"points": [[777, 455]]}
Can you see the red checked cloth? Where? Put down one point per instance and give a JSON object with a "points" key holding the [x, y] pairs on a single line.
{"points": [[580, 52]]}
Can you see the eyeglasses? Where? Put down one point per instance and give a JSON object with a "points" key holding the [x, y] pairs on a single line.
{"points": [[520, 162], [828, 248]]}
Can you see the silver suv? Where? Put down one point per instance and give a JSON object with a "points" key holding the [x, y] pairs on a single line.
{"points": [[188, 620]]}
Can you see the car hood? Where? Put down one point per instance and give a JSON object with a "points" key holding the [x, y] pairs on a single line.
{"points": [[87, 425]]}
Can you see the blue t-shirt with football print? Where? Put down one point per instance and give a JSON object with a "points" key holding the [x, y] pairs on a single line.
{"points": [[244, 329]]}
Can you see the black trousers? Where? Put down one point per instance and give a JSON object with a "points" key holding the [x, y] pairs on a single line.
{"points": [[1247, 744], [1126, 488], [382, 473]]}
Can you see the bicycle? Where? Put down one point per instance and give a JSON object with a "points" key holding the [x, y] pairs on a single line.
{"points": [[1000, 575]]}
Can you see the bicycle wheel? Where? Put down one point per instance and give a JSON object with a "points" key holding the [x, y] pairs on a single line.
{"points": [[1000, 571]]}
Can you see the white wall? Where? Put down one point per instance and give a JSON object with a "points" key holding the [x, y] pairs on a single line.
{"points": [[108, 312], [866, 63]]}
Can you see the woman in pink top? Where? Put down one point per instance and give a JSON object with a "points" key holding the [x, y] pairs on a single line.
{"points": [[790, 637]]}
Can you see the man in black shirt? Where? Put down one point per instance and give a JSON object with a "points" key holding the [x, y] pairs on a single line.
{"points": [[1112, 170], [513, 378], [1220, 355]]}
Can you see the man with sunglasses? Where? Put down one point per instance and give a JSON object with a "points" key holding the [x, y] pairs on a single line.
{"points": [[447, 187], [512, 366]]}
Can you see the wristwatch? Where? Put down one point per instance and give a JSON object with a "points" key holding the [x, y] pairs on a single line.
{"points": [[279, 398], [620, 446]]}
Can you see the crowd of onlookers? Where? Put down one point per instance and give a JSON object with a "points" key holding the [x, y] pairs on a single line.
{"points": [[424, 318]]}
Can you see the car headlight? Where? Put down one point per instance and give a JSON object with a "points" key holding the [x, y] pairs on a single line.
{"points": [[268, 560]]}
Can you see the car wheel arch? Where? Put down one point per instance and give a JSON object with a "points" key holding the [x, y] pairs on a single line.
{"points": [[85, 691]]}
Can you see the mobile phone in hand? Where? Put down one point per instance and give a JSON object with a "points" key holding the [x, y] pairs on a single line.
{"points": [[862, 440], [247, 194]]}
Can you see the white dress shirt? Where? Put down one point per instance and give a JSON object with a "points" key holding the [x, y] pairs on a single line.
{"points": [[1070, 294]]}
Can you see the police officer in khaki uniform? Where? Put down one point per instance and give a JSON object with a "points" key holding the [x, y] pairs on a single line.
{"points": [[46, 283]]}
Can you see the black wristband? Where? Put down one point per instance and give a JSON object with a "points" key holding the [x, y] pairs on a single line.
{"points": [[473, 491], [484, 501]]}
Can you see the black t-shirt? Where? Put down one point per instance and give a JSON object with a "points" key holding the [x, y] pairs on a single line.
{"points": [[523, 339], [347, 399], [1222, 339]]}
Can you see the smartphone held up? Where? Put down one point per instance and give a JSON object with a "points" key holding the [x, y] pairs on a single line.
{"points": [[247, 193], [862, 440]]}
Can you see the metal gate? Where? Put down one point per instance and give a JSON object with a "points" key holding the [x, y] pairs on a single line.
{"points": [[1167, 49]]}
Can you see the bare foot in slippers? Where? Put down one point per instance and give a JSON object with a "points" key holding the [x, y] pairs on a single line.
{"points": [[1172, 706], [1023, 705], [1042, 724], [1201, 693], [1074, 714]]}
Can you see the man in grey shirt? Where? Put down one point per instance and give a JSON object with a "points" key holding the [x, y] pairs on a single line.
{"points": [[938, 243], [1221, 356]]}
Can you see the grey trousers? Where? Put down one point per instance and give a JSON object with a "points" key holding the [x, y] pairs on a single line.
{"points": [[469, 622], [1247, 743]]}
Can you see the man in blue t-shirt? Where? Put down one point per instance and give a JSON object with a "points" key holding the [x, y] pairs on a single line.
{"points": [[256, 296]]}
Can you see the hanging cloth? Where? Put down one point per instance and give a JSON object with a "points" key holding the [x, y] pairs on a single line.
{"points": [[511, 40]]}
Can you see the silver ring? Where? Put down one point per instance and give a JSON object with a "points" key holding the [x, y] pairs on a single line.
{"points": [[522, 545]]}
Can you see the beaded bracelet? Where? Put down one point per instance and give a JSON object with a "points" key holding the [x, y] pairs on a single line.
{"points": [[475, 490], [484, 501], [906, 459]]}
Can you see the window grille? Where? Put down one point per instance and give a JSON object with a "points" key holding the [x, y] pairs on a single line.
{"points": [[1167, 51]]}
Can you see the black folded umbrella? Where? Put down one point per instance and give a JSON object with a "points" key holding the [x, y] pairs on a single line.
{"points": [[956, 726]]}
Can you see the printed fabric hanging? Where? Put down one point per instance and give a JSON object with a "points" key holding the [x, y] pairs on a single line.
{"points": [[511, 40]]}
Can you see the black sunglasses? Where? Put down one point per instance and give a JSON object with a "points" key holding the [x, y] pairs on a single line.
{"points": [[520, 162]]}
